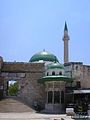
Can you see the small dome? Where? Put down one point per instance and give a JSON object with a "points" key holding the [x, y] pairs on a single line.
{"points": [[55, 65], [43, 56]]}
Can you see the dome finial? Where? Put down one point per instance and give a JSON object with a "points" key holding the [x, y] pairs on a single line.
{"points": [[43, 50], [55, 59]]}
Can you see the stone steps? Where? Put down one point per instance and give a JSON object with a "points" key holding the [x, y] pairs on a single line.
{"points": [[14, 105]]}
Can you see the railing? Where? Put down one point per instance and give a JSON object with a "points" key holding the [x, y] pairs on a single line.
{"points": [[69, 89], [80, 115]]}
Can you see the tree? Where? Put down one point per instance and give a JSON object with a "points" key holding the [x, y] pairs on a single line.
{"points": [[13, 89]]}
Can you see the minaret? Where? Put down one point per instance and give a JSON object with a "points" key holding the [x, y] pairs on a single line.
{"points": [[65, 39]]}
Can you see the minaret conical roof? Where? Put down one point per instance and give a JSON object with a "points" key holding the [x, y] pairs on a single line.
{"points": [[65, 28]]}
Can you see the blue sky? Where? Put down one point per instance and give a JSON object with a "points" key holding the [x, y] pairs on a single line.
{"points": [[29, 26]]}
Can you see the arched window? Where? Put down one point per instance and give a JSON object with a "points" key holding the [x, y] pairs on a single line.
{"points": [[50, 96], [78, 84], [47, 73], [56, 97], [53, 73], [60, 73], [62, 96], [12, 87], [76, 67]]}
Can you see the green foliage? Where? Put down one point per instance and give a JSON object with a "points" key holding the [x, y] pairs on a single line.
{"points": [[13, 89]]}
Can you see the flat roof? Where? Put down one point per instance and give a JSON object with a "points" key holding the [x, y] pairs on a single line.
{"points": [[81, 91], [55, 78]]}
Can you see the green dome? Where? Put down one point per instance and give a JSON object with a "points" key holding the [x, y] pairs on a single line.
{"points": [[43, 56], [55, 65]]}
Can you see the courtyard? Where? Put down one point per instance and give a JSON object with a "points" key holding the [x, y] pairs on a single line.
{"points": [[14, 109]]}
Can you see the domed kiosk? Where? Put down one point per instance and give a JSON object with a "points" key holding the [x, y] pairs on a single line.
{"points": [[54, 81]]}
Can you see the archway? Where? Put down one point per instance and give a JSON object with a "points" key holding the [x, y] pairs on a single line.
{"points": [[12, 87]]}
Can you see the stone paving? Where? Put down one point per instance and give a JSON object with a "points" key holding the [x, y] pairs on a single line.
{"points": [[12, 109], [13, 104], [32, 116]]}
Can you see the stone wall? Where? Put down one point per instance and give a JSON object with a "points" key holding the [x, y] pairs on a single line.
{"points": [[31, 91], [78, 72], [1, 87], [74, 70], [27, 75], [22, 67], [86, 77]]}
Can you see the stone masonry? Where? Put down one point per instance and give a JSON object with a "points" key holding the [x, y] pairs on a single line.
{"points": [[27, 76], [79, 73]]}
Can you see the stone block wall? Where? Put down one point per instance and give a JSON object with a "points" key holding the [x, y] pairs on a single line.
{"points": [[86, 76], [78, 72], [22, 67], [1, 87], [27, 76], [31, 91]]}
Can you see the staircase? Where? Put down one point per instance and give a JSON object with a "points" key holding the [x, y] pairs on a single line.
{"points": [[13, 104]]}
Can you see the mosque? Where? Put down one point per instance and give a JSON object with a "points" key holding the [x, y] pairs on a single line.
{"points": [[46, 82]]}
